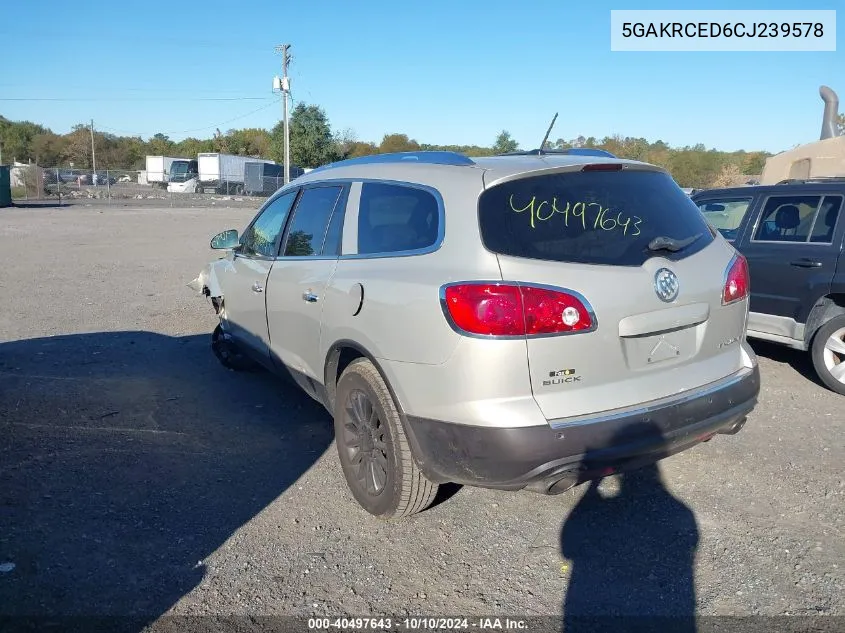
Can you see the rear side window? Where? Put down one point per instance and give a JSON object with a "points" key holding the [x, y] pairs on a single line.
{"points": [[594, 217], [394, 218], [826, 220]]}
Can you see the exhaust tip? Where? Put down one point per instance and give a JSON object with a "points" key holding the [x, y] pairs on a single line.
{"points": [[562, 485], [736, 428]]}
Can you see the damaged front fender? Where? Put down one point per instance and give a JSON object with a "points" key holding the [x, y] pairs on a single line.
{"points": [[208, 281]]}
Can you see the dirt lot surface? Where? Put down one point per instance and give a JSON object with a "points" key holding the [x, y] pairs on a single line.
{"points": [[139, 477]]}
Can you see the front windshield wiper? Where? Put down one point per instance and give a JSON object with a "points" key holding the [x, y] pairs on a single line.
{"points": [[670, 244]]}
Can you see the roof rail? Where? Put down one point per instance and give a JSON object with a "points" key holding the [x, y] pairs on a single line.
{"points": [[572, 151], [423, 157], [817, 179]]}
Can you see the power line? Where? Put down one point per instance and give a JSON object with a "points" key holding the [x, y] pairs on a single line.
{"points": [[198, 129]]}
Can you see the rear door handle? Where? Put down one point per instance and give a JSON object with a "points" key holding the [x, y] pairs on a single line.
{"points": [[310, 297], [806, 262], [257, 287]]}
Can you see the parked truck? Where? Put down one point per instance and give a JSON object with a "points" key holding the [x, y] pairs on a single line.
{"points": [[158, 170], [263, 179], [223, 173], [184, 174]]}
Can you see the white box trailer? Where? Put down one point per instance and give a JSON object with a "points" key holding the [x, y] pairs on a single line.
{"points": [[223, 173], [158, 169]]}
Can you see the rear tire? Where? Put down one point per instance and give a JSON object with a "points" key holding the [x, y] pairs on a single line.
{"points": [[828, 354], [373, 450]]}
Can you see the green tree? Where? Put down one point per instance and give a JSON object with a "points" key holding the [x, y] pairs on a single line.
{"points": [[391, 143], [77, 147], [311, 140], [160, 145], [504, 143], [190, 147], [840, 124], [357, 149], [16, 138], [754, 163], [47, 149]]}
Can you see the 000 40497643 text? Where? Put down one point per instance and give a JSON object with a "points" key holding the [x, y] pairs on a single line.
{"points": [[603, 218]]}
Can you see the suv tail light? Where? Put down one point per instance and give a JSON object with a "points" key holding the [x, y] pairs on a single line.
{"points": [[737, 281], [603, 167], [515, 309]]}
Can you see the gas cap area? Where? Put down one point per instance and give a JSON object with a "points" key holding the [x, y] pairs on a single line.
{"points": [[356, 299]]}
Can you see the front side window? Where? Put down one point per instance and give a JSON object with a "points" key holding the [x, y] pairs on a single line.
{"points": [[725, 215], [787, 219], [395, 218], [311, 221], [262, 237]]}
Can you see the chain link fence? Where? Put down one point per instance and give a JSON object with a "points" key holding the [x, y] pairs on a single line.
{"points": [[34, 183]]}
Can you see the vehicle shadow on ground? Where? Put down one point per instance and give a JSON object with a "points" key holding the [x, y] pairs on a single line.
{"points": [[632, 556], [798, 360], [127, 459]]}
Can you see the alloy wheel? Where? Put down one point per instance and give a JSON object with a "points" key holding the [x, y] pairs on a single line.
{"points": [[834, 354], [364, 442]]}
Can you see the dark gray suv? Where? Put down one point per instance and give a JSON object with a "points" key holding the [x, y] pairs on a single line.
{"points": [[792, 235]]}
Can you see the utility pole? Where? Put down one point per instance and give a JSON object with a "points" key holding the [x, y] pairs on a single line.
{"points": [[93, 156], [285, 86]]}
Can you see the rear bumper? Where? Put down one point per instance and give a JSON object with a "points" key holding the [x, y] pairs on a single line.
{"points": [[552, 457]]}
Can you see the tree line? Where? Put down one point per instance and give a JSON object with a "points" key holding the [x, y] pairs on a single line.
{"points": [[314, 143]]}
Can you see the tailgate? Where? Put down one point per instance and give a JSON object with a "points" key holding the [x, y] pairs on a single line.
{"points": [[649, 275]]}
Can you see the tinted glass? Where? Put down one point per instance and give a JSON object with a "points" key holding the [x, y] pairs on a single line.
{"points": [[787, 218], [261, 238], [310, 221], [725, 215], [394, 218], [595, 217], [826, 220], [334, 236]]}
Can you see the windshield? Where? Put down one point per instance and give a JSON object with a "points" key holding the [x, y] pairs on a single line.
{"points": [[621, 218], [179, 171]]}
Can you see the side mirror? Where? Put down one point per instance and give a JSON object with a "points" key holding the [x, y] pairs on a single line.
{"points": [[225, 240]]}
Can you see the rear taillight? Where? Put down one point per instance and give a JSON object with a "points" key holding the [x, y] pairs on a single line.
{"points": [[736, 281], [511, 309]]}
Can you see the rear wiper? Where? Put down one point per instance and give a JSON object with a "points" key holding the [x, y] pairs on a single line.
{"points": [[671, 244]]}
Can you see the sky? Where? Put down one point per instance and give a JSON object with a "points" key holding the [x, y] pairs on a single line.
{"points": [[442, 72]]}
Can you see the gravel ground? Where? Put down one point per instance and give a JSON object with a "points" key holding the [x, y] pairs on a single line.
{"points": [[139, 477]]}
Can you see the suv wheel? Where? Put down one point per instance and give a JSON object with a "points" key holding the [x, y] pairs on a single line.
{"points": [[374, 453], [828, 353]]}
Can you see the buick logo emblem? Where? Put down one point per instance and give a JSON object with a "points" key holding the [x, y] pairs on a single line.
{"points": [[666, 285]]}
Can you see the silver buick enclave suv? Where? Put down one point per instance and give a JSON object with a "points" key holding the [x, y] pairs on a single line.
{"points": [[525, 321]]}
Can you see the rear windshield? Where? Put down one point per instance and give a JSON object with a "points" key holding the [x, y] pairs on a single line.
{"points": [[594, 217]]}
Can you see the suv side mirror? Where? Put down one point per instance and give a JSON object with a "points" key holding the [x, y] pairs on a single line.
{"points": [[225, 240]]}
